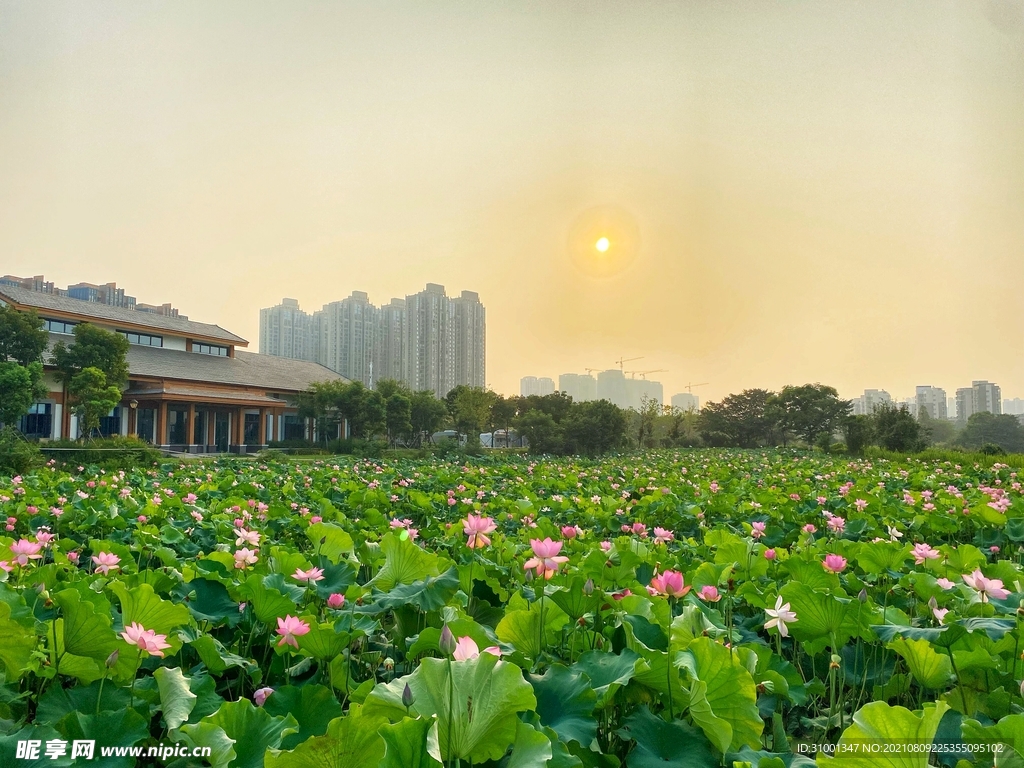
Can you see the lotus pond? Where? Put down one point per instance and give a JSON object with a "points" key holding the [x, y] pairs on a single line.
{"points": [[669, 609]]}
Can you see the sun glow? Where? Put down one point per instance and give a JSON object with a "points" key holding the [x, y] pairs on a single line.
{"points": [[602, 244]]}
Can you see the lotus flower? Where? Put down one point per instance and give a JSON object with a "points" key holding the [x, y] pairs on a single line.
{"points": [[757, 529], [261, 694], [244, 536], [289, 628], [476, 528], [466, 649], [106, 562], [669, 583], [244, 558], [986, 587], [709, 593], [546, 560], [145, 639], [663, 536], [25, 550], [834, 563], [923, 552], [335, 600], [781, 615], [312, 576]]}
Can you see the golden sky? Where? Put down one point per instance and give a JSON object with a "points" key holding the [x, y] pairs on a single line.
{"points": [[813, 191]]}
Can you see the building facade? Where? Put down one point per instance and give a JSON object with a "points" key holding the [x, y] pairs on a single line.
{"points": [[286, 331], [932, 400], [346, 332], [981, 396], [581, 387], [389, 352], [191, 386], [686, 401], [866, 404]]}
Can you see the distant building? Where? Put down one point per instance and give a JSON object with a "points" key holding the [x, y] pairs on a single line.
{"points": [[611, 386], [285, 331], [162, 309], [1014, 407], [980, 397], [581, 387], [346, 331], [866, 404], [389, 355], [39, 284], [686, 401], [469, 338], [639, 390], [108, 294], [931, 400], [532, 385]]}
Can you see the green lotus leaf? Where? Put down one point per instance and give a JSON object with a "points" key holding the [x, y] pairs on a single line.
{"points": [[565, 703], [404, 563], [336, 542], [879, 723], [352, 741], [252, 729], [479, 723], [176, 697], [660, 744], [312, 706], [409, 743], [608, 671]]}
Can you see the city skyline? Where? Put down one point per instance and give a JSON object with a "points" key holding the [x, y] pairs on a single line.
{"points": [[806, 194]]}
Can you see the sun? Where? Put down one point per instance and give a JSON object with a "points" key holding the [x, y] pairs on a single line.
{"points": [[602, 244]]}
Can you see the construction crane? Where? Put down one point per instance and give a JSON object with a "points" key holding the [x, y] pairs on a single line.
{"points": [[689, 387], [643, 374], [621, 360], [591, 370]]}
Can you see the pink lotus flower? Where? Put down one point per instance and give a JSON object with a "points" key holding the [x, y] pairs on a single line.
{"points": [[5, 566], [571, 531], [923, 552], [289, 628], [45, 538], [834, 563], [106, 562], [986, 587], [244, 536], [809, 528], [25, 550], [709, 593], [640, 529], [860, 504], [145, 639], [547, 560], [190, 498], [945, 583], [336, 600], [757, 529], [73, 557], [769, 554], [476, 528], [669, 583], [312, 576], [260, 695], [466, 649], [244, 558], [836, 524], [663, 536], [606, 546]]}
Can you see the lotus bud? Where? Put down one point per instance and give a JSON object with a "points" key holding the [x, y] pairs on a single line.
{"points": [[389, 663], [528, 576], [933, 603], [323, 540], [112, 659], [588, 588], [836, 661], [407, 698], [447, 641], [863, 595]]}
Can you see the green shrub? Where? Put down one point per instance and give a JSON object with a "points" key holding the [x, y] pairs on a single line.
{"points": [[108, 452], [17, 455]]}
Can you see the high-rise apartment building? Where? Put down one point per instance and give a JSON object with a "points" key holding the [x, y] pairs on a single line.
{"points": [[640, 390], [981, 396], [533, 385], [346, 333], [1014, 406], [389, 360], [611, 386], [932, 400], [470, 341], [866, 404], [686, 401], [285, 331], [581, 387], [427, 340]]}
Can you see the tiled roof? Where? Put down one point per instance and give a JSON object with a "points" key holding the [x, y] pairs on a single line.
{"points": [[245, 369], [103, 313], [206, 393]]}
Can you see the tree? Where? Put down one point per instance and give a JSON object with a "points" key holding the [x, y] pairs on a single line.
{"points": [[557, 405], [935, 430], [94, 347], [20, 386], [321, 403], [22, 336], [543, 434], [643, 421], [748, 419], [811, 410], [858, 433], [470, 408], [896, 429], [989, 429], [92, 398], [399, 416], [427, 414], [594, 427], [503, 412]]}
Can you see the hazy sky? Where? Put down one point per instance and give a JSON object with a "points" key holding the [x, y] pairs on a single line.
{"points": [[811, 191]]}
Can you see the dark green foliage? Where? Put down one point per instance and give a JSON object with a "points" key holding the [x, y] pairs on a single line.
{"points": [[858, 431], [895, 429], [22, 337], [94, 347], [1003, 431], [109, 452], [17, 455]]}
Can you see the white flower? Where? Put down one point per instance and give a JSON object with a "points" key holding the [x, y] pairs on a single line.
{"points": [[780, 616]]}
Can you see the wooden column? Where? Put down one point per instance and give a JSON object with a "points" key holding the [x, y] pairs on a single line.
{"points": [[133, 420], [263, 427], [161, 424], [190, 425], [211, 427], [239, 426]]}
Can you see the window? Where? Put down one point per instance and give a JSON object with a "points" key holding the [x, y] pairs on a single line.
{"points": [[209, 349], [143, 339], [38, 422], [58, 326]]}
